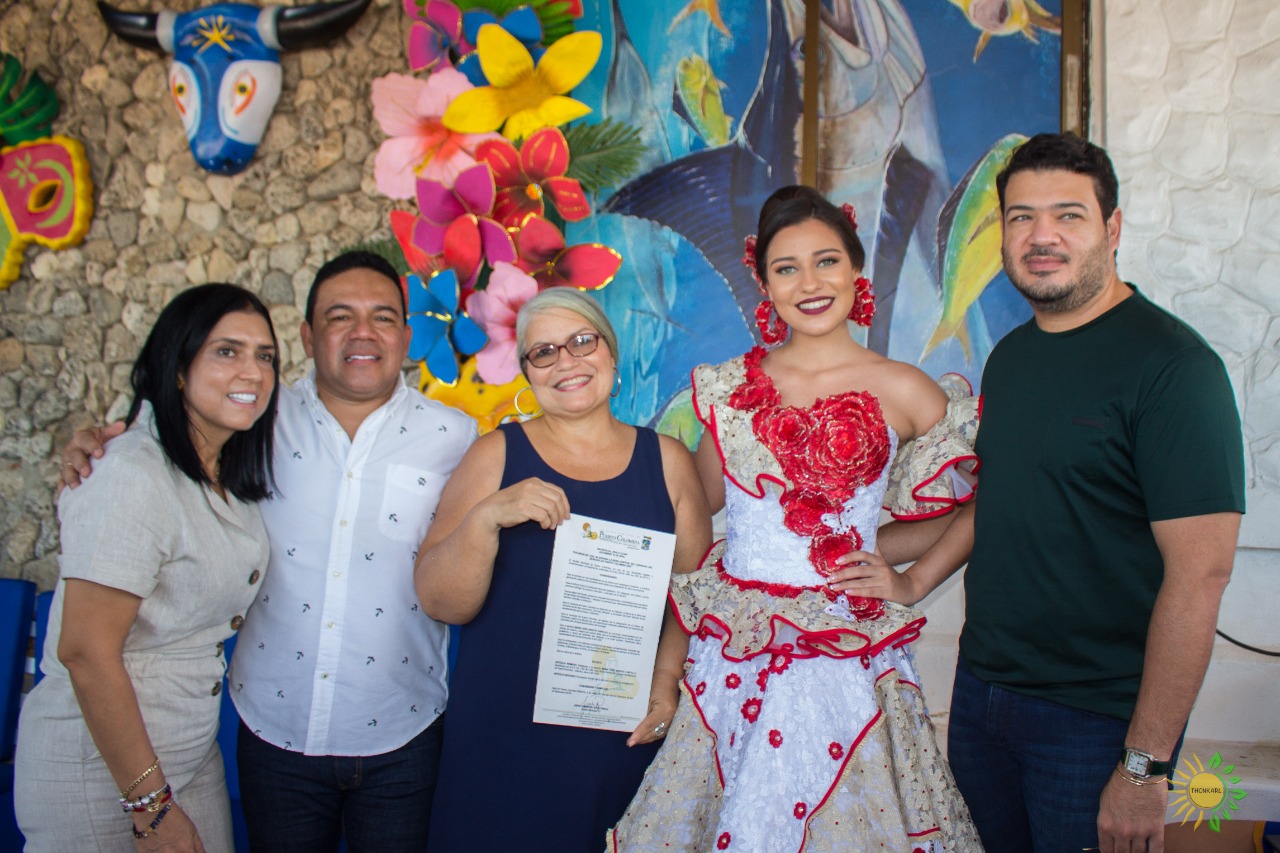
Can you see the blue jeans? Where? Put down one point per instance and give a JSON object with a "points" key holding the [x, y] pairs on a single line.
{"points": [[1032, 771], [306, 803]]}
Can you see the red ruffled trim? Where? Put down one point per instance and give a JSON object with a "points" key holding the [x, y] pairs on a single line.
{"points": [[708, 420], [807, 644], [948, 503]]}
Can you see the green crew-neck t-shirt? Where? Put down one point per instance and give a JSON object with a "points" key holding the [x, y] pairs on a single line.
{"points": [[1088, 436]]}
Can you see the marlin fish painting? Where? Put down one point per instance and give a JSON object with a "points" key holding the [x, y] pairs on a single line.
{"points": [[879, 146]]}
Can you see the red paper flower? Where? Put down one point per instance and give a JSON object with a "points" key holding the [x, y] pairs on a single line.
{"points": [[800, 811], [732, 681], [524, 177], [722, 843], [826, 549], [836, 751], [470, 200], [775, 738], [757, 390], [461, 253], [751, 709], [544, 255]]}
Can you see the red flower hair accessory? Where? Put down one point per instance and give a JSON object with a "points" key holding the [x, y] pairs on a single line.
{"points": [[749, 258], [850, 214]]}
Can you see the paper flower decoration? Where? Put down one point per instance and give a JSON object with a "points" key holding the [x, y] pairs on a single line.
{"points": [[471, 196], [536, 170], [521, 96], [522, 23], [440, 329], [544, 255], [461, 253], [436, 30], [409, 111], [495, 309], [489, 404]]}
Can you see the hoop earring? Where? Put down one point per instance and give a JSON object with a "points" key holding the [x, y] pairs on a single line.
{"points": [[864, 302], [617, 382], [516, 402], [773, 329]]}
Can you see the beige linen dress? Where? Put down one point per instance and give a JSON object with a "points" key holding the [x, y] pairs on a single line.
{"points": [[141, 525]]}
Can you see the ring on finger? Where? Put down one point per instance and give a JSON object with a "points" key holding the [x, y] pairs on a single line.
{"points": [[660, 729]]}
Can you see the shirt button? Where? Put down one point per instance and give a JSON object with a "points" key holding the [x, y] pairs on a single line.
{"points": [[219, 648], [342, 523], [217, 688], [337, 574], [236, 622], [324, 675], [330, 625], [254, 575]]}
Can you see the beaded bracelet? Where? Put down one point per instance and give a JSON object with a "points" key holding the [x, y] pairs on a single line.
{"points": [[155, 824], [155, 765], [149, 802]]}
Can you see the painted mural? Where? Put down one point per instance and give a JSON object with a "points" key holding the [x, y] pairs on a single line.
{"points": [[920, 101]]}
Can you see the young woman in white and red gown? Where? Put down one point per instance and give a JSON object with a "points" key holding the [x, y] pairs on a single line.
{"points": [[801, 724]]}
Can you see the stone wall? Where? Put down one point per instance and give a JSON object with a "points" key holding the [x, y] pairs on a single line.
{"points": [[72, 324]]}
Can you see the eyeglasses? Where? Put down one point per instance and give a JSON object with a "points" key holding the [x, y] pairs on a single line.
{"points": [[578, 346]]}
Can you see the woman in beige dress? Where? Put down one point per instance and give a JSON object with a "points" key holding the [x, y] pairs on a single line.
{"points": [[162, 552]]}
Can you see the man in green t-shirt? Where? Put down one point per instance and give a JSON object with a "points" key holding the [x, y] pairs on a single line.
{"points": [[1112, 485]]}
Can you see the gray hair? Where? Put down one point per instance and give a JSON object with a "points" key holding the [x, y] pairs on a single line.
{"points": [[566, 299]]}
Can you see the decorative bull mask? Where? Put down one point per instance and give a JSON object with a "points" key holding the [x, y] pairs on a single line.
{"points": [[225, 76]]}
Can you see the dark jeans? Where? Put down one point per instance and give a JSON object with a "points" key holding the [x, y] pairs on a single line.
{"points": [[306, 803], [1031, 770]]}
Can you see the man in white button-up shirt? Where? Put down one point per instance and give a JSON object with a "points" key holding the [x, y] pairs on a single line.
{"points": [[338, 674]]}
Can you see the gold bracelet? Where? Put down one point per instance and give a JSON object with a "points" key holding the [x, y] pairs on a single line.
{"points": [[155, 765], [1141, 783]]}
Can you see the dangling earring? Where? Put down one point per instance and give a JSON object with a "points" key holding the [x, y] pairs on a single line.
{"points": [[773, 329], [864, 302], [182, 383], [617, 382], [524, 416]]}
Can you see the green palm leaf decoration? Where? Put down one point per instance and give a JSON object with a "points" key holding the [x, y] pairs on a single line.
{"points": [[554, 14], [27, 109], [603, 155]]}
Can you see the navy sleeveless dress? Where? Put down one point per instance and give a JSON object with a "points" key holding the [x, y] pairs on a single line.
{"points": [[505, 782]]}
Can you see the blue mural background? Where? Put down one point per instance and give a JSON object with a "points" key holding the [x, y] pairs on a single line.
{"points": [[909, 106]]}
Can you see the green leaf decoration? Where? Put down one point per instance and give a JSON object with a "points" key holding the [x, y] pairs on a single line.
{"points": [[27, 108], [603, 155], [554, 14], [1239, 795], [1216, 761], [1213, 824]]}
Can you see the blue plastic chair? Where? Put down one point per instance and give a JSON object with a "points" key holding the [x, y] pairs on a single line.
{"points": [[17, 607], [43, 601]]}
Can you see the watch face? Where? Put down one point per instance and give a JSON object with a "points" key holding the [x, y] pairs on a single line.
{"points": [[1136, 762]]}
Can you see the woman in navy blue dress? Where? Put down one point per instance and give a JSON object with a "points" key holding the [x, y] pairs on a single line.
{"points": [[507, 782]]}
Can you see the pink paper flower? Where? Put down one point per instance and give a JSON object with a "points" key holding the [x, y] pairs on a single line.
{"points": [[495, 309], [409, 111], [470, 200]]}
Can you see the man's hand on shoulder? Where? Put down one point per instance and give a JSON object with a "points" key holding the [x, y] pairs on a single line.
{"points": [[1131, 817], [87, 443]]}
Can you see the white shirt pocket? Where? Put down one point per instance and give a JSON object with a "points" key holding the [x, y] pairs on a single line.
{"points": [[409, 502]]}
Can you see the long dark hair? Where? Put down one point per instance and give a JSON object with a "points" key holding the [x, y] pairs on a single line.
{"points": [[245, 464], [793, 205]]}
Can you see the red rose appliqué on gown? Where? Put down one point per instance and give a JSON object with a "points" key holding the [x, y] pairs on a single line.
{"points": [[826, 451]]}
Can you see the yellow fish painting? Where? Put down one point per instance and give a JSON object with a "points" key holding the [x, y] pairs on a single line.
{"points": [[1006, 17], [969, 236], [698, 100], [711, 7]]}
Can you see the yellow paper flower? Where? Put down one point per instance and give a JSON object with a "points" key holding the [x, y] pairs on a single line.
{"points": [[488, 404], [522, 97]]}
